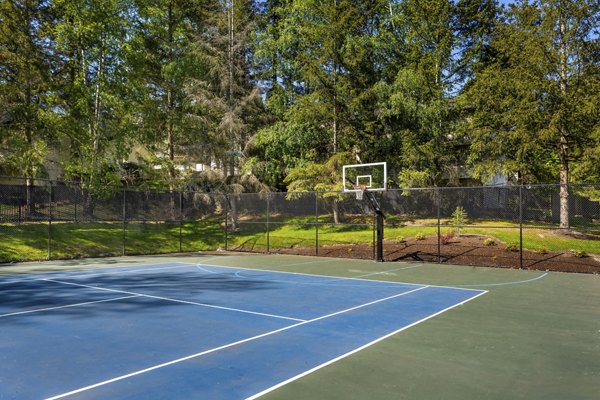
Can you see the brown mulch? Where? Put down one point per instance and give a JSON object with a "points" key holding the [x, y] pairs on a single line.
{"points": [[462, 250]]}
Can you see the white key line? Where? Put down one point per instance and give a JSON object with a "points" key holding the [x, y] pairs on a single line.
{"points": [[179, 360], [66, 306], [176, 300], [318, 367]]}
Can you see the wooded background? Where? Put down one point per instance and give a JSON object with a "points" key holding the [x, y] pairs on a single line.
{"points": [[277, 95]]}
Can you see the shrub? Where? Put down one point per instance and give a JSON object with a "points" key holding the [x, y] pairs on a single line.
{"points": [[420, 236], [448, 236], [489, 242], [579, 253], [400, 239], [543, 250], [512, 247], [459, 218]]}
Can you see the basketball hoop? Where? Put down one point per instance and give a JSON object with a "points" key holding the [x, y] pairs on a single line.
{"points": [[360, 190]]}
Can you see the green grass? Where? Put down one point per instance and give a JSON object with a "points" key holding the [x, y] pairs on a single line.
{"points": [[254, 237], [29, 241], [22, 242]]}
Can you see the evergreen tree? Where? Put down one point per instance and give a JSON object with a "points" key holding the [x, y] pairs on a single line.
{"points": [[25, 68], [89, 92], [532, 108], [227, 97]]}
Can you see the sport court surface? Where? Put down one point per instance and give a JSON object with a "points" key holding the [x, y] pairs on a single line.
{"points": [[232, 327]]}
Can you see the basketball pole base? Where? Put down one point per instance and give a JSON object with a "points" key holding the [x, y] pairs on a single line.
{"points": [[379, 239]]}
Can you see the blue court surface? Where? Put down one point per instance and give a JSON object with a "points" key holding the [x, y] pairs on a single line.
{"points": [[192, 331]]}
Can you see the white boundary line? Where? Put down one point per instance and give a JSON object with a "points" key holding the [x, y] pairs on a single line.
{"points": [[510, 283], [95, 272], [66, 306], [98, 271], [333, 277], [329, 283], [277, 386], [230, 345], [387, 271], [176, 300]]}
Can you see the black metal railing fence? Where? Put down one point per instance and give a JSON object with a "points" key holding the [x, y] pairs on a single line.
{"points": [[41, 219]]}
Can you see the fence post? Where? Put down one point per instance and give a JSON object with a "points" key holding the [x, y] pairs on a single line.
{"points": [[49, 220], [521, 227], [316, 223], [268, 227], [226, 216], [439, 238], [123, 244], [180, 219]]}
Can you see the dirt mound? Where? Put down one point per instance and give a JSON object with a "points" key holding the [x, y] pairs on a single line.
{"points": [[463, 250]]}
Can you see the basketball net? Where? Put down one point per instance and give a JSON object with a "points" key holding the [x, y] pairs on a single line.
{"points": [[360, 190]]}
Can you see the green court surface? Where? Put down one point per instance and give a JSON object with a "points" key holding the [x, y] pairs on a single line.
{"points": [[534, 335]]}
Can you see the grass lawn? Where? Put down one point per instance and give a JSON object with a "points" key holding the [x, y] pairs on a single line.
{"points": [[21, 242], [29, 241], [254, 236]]}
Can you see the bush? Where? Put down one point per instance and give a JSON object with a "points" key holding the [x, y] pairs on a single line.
{"points": [[420, 236], [489, 242], [400, 239], [447, 237], [512, 247], [459, 218], [579, 253]]}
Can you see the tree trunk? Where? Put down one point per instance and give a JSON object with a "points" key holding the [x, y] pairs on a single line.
{"points": [[562, 128], [88, 204], [336, 212], [231, 171]]}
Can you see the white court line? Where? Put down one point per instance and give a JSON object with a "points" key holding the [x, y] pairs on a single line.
{"points": [[228, 345], [329, 283], [177, 300], [318, 367], [509, 283], [386, 271], [99, 272], [307, 262], [69, 305], [333, 277], [70, 273]]}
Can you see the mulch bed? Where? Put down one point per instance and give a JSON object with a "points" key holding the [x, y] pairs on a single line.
{"points": [[462, 250]]}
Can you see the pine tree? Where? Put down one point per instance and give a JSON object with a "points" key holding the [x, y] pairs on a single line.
{"points": [[531, 106], [25, 69], [89, 87], [24, 84]]}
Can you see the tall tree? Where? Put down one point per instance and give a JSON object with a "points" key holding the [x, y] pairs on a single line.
{"points": [[227, 95], [531, 106], [162, 59], [416, 101], [89, 87], [324, 60], [24, 83], [25, 68]]}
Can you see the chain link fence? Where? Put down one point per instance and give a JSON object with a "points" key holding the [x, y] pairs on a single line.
{"points": [[511, 226]]}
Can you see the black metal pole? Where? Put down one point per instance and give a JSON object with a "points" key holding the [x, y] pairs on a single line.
{"points": [[380, 220], [268, 204], [180, 220], [50, 221], [123, 243], [521, 226], [226, 216], [439, 239], [316, 223], [374, 239]]}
